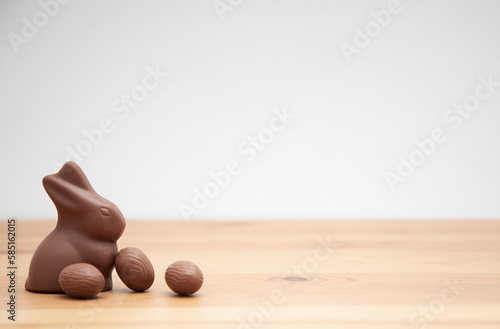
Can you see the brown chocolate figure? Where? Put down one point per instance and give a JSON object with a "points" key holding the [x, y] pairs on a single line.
{"points": [[87, 229]]}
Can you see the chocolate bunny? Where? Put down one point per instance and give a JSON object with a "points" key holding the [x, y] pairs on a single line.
{"points": [[87, 229]]}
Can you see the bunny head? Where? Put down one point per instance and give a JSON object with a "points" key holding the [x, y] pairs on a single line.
{"points": [[79, 207]]}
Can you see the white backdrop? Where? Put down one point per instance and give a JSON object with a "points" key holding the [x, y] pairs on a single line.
{"points": [[313, 109]]}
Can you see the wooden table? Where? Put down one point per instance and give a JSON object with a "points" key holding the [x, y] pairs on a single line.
{"points": [[288, 274]]}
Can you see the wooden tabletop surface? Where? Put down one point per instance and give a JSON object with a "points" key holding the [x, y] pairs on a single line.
{"points": [[286, 274]]}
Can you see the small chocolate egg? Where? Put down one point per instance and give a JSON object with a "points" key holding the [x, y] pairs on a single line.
{"points": [[184, 277], [81, 280], [134, 269]]}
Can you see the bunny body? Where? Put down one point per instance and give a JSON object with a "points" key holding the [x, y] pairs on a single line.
{"points": [[87, 229]]}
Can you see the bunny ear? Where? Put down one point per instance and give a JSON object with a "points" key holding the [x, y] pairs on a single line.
{"points": [[69, 188], [74, 175]]}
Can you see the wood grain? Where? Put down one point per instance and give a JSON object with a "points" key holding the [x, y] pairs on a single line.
{"points": [[288, 274]]}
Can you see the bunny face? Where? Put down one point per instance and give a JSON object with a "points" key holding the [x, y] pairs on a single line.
{"points": [[80, 207], [107, 217]]}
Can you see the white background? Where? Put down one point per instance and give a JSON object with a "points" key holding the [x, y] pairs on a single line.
{"points": [[352, 120]]}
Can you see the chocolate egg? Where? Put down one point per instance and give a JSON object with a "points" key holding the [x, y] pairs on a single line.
{"points": [[184, 277], [81, 280], [134, 269]]}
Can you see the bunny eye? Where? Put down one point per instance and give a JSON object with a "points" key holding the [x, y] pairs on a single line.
{"points": [[105, 212]]}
